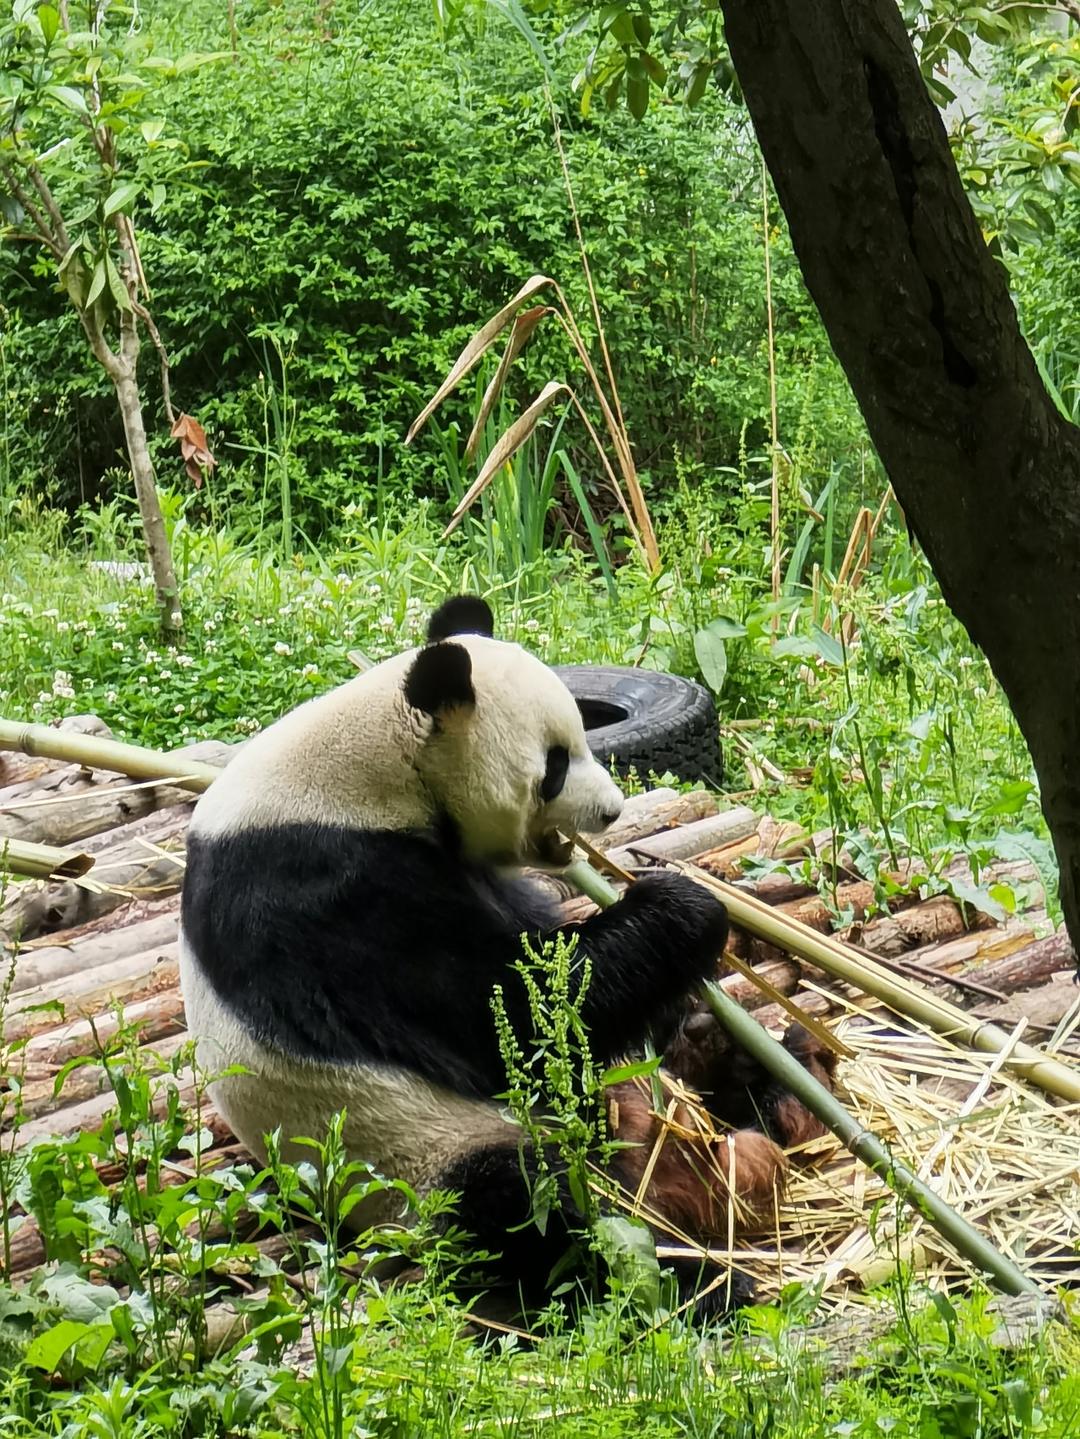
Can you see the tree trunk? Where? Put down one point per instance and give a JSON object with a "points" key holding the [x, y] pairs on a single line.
{"points": [[153, 522], [919, 314]]}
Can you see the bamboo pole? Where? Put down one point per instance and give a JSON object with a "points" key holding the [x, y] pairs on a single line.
{"points": [[905, 997], [864, 1145], [91, 750], [42, 861]]}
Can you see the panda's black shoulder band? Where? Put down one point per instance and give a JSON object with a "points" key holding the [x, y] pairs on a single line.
{"points": [[462, 615]]}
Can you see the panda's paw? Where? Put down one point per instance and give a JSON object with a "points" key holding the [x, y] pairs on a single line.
{"points": [[691, 924]]}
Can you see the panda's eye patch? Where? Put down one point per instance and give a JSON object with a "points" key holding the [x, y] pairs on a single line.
{"points": [[558, 762]]}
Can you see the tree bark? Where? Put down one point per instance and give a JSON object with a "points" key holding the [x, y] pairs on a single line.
{"points": [[122, 370], [919, 315]]}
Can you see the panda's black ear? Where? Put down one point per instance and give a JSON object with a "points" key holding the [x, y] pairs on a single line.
{"points": [[462, 615], [440, 677]]}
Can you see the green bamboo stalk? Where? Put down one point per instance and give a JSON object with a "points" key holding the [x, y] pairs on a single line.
{"points": [[905, 997], [863, 1144], [42, 861], [91, 750]]}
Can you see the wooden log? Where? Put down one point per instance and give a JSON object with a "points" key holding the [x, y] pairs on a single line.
{"points": [[70, 806], [154, 1018], [126, 863], [38, 966], [928, 923], [726, 860], [784, 975], [87, 1080], [86, 1117], [689, 839], [656, 810], [128, 980], [1030, 966]]}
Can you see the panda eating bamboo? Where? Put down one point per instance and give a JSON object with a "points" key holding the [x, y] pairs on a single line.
{"points": [[351, 901]]}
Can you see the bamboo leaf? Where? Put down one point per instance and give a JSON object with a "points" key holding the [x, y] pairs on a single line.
{"points": [[524, 324], [475, 350], [507, 446]]}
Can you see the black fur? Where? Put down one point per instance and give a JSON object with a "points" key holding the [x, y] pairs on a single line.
{"points": [[462, 615], [555, 772], [495, 1184], [440, 676], [348, 945]]}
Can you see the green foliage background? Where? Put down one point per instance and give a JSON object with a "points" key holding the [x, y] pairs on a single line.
{"points": [[357, 198]]}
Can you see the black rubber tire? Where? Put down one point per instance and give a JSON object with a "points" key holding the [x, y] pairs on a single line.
{"points": [[647, 721]]}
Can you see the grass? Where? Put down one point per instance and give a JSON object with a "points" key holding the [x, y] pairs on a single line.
{"points": [[871, 699]]}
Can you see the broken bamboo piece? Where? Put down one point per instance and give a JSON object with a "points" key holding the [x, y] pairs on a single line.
{"points": [[42, 861], [96, 753], [907, 1186]]}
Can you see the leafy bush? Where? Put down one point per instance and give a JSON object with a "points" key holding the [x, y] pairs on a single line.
{"points": [[357, 201]]}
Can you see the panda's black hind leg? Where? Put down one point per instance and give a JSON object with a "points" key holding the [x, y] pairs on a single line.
{"points": [[495, 1209]]}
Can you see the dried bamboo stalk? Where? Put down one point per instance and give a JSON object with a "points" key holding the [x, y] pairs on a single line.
{"points": [[904, 997], [90, 750]]}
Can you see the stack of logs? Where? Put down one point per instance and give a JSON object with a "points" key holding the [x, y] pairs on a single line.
{"points": [[84, 945]]}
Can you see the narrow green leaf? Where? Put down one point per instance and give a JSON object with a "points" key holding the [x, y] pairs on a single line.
{"points": [[49, 20], [97, 284], [117, 287]]}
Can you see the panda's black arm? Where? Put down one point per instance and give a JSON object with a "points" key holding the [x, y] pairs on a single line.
{"points": [[647, 954]]}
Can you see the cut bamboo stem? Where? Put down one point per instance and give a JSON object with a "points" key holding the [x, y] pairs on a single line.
{"points": [[94, 752], [42, 861], [864, 1145]]}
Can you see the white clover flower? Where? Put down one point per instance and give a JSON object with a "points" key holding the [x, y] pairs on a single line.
{"points": [[176, 619], [966, 660], [184, 661], [178, 709], [209, 627], [120, 627], [386, 622], [62, 627], [773, 705], [43, 698], [281, 648], [543, 640], [373, 589], [118, 645], [531, 626], [344, 580], [166, 674], [144, 679], [309, 672], [50, 614], [110, 697]]}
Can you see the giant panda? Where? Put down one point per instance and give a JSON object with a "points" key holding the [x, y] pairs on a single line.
{"points": [[352, 896]]}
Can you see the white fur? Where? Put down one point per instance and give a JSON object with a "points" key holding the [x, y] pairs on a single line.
{"points": [[415, 1127], [360, 756]]}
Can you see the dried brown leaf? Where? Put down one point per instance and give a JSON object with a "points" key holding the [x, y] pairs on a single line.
{"points": [[524, 324], [475, 350], [507, 446]]}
